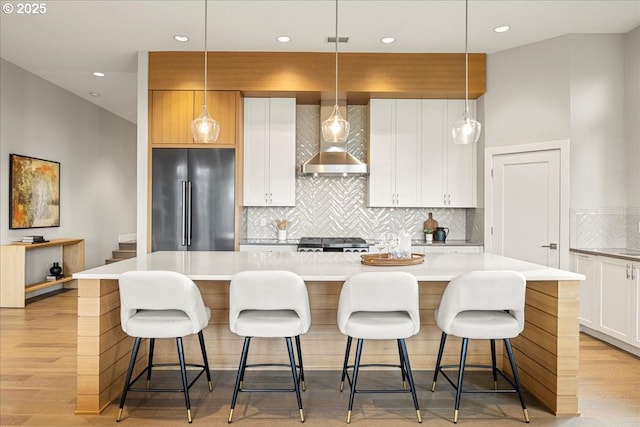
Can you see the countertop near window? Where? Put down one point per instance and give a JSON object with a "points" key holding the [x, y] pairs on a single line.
{"points": [[621, 253]]}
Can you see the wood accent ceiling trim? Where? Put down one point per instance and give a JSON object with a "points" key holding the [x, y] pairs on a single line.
{"points": [[310, 76]]}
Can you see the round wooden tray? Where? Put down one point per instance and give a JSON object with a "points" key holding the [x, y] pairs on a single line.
{"points": [[383, 260]]}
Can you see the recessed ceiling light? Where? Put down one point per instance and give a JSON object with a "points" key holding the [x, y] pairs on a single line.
{"points": [[387, 40], [94, 94], [181, 38], [283, 39], [502, 29], [98, 74]]}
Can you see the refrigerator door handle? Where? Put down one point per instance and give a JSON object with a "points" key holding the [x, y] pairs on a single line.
{"points": [[189, 206], [183, 233]]}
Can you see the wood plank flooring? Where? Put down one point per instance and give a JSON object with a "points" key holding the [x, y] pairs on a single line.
{"points": [[38, 388]]}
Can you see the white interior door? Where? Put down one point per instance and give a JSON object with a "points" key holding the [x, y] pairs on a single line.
{"points": [[525, 206]]}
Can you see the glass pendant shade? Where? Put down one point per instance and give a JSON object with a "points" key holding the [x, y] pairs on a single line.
{"points": [[205, 129], [335, 128], [466, 130]]}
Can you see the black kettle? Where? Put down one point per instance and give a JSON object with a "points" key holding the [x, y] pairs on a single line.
{"points": [[440, 235]]}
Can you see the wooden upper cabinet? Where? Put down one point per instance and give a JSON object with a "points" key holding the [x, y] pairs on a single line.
{"points": [[172, 111], [222, 107], [170, 116]]}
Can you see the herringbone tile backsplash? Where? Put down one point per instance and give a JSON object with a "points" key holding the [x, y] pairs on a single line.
{"points": [[336, 206]]}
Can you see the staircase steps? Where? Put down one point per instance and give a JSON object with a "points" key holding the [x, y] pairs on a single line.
{"points": [[125, 250]]}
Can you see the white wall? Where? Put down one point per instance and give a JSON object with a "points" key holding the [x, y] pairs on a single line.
{"points": [[527, 97], [96, 150], [598, 161], [632, 115], [570, 87]]}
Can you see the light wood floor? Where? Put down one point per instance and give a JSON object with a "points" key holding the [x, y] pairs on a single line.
{"points": [[38, 386]]}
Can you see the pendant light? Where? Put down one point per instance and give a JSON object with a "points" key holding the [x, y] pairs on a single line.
{"points": [[335, 128], [466, 130], [205, 129]]}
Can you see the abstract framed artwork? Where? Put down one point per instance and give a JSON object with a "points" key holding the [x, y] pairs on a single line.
{"points": [[34, 192]]}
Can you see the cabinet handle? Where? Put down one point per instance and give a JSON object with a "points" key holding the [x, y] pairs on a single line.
{"points": [[629, 275]]}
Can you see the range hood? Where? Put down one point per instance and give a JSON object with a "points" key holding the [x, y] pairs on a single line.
{"points": [[333, 159]]}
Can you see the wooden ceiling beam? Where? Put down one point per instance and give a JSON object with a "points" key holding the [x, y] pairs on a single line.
{"points": [[311, 77]]}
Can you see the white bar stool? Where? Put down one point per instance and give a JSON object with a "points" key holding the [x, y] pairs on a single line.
{"points": [[269, 304], [379, 306], [162, 304], [482, 305]]}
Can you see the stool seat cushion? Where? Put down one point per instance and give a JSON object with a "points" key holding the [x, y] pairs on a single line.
{"points": [[485, 325], [380, 325], [269, 323], [161, 323]]}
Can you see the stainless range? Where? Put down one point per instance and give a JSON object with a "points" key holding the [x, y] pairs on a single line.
{"points": [[333, 244]]}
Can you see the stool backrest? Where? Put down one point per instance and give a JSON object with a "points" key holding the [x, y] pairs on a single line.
{"points": [[268, 290], [160, 290], [482, 291], [379, 292]]}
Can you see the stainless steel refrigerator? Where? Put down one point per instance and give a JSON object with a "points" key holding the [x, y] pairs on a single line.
{"points": [[193, 199]]}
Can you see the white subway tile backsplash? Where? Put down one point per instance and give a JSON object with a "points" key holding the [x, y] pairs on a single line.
{"points": [[336, 206]]}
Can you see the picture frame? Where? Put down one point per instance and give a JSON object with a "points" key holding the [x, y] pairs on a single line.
{"points": [[34, 192]]}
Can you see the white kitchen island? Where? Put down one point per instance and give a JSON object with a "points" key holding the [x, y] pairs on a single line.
{"points": [[546, 352]]}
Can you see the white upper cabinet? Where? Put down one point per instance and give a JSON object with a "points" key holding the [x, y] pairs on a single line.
{"points": [[460, 174], [394, 153], [413, 161], [269, 152], [433, 171]]}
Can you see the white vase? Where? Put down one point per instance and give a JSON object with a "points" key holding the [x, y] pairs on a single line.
{"points": [[428, 237], [282, 235]]}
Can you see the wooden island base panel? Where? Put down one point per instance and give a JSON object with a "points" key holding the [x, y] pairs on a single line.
{"points": [[546, 352]]}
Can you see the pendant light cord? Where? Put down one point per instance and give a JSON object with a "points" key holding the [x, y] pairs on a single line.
{"points": [[466, 57], [336, 52], [205, 53]]}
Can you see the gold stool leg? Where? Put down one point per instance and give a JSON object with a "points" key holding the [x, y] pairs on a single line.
{"points": [[526, 415], [230, 416], [301, 416]]}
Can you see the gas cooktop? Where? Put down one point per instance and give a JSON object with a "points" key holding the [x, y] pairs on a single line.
{"points": [[333, 244]]}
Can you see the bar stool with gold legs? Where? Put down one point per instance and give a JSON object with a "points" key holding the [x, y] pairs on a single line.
{"points": [[485, 305], [269, 304], [379, 306], [162, 304]]}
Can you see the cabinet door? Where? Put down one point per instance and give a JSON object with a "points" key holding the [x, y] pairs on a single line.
{"points": [[589, 289], [222, 107], [381, 153], [171, 116], [461, 162], [256, 152], [433, 145], [407, 152], [616, 298], [282, 151]]}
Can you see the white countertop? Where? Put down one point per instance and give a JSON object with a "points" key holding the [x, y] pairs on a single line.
{"points": [[317, 266]]}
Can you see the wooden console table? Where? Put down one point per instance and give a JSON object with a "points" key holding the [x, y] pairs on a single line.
{"points": [[13, 286]]}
